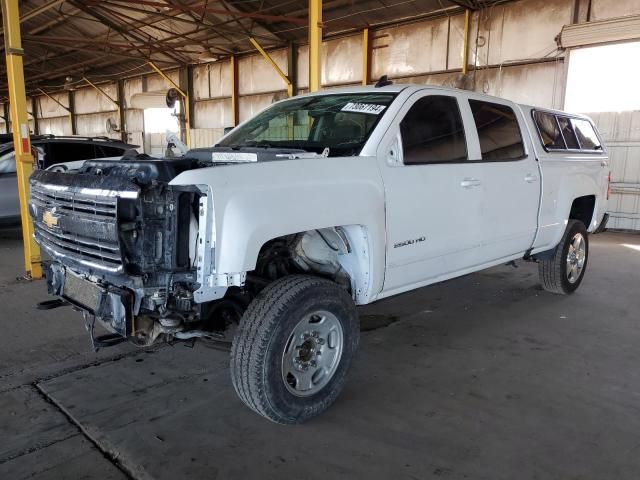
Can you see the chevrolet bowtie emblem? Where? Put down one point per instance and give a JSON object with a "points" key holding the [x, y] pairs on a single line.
{"points": [[50, 219]]}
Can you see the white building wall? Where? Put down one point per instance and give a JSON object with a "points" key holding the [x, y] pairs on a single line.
{"points": [[621, 134], [93, 109]]}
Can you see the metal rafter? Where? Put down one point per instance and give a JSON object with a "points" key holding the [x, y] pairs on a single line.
{"points": [[122, 31], [138, 24], [217, 11], [152, 46], [150, 39]]}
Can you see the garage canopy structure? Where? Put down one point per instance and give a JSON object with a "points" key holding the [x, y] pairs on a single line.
{"points": [[108, 39]]}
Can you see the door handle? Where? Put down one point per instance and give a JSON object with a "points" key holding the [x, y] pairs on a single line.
{"points": [[530, 178], [470, 182]]}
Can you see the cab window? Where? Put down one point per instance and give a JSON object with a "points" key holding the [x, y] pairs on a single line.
{"points": [[498, 131], [432, 131]]}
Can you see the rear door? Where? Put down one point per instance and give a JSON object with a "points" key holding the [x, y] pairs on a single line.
{"points": [[433, 193], [511, 178]]}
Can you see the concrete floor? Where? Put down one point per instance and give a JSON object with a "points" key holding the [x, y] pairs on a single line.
{"points": [[482, 377]]}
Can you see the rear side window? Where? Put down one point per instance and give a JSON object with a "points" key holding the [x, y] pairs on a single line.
{"points": [[432, 131], [498, 131], [586, 134], [568, 133], [105, 151], [549, 131]]}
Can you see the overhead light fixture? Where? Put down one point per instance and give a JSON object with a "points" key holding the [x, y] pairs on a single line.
{"points": [[67, 83]]}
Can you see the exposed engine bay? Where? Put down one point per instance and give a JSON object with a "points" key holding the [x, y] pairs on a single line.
{"points": [[124, 250]]}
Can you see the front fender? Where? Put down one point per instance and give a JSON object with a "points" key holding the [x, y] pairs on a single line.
{"points": [[256, 202]]}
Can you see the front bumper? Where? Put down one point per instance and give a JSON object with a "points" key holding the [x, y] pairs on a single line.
{"points": [[111, 305]]}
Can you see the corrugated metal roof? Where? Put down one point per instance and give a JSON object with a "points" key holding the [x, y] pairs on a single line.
{"points": [[107, 39]]}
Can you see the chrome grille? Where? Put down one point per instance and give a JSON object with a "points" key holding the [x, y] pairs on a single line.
{"points": [[80, 226]]}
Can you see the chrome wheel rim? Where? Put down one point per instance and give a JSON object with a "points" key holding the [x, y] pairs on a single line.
{"points": [[312, 353], [576, 257]]}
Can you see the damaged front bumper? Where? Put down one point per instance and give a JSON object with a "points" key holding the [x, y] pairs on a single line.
{"points": [[111, 305]]}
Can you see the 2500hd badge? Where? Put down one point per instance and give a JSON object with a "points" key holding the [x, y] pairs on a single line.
{"points": [[404, 243]]}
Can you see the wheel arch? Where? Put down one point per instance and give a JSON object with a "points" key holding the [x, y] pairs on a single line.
{"points": [[348, 247], [583, 209]]}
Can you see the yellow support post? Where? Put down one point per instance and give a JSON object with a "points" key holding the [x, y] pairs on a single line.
{"points": [[465, 52], [20, 124], [185, 98], [315, 43], [366, 50], [235, 106], [275, 66]]}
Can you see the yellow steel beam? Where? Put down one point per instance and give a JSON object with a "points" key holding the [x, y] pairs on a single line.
{"points": [[315, 44], [366, 50], [20, 124], [235, 106], [275, 66], [465, 52], [185, 103]]}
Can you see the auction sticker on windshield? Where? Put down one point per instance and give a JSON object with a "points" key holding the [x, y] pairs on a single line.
{"points": [[369, 108]]}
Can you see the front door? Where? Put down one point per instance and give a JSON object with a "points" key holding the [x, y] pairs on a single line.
{"points": [[434, 198]]}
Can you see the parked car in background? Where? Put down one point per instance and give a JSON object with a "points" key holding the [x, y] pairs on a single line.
{"points": [[50, 151]]}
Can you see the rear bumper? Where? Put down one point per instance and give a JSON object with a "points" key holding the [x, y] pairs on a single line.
{"points": [[111, 305]]}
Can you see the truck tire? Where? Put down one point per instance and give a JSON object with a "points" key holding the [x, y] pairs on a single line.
{"points": [[293, 348], [563, 271]]}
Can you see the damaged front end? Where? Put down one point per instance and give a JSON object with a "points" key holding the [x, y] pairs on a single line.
{"points": [[122, 243]]}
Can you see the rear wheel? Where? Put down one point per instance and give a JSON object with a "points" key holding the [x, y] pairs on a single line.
{"points": [[563, 271], [293, 348]]}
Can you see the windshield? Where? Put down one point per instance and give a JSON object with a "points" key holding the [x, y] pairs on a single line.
{"points": [[341, 122]]}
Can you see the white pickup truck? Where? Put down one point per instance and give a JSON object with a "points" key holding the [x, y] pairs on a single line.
{"points": [[319, 203]]}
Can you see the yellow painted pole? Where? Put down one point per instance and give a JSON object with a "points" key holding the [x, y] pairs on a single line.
{"points": [[185, 97], [275, 66], [20, 125], [465, 52], [315, 44], [235, 106], [366, 49]]}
